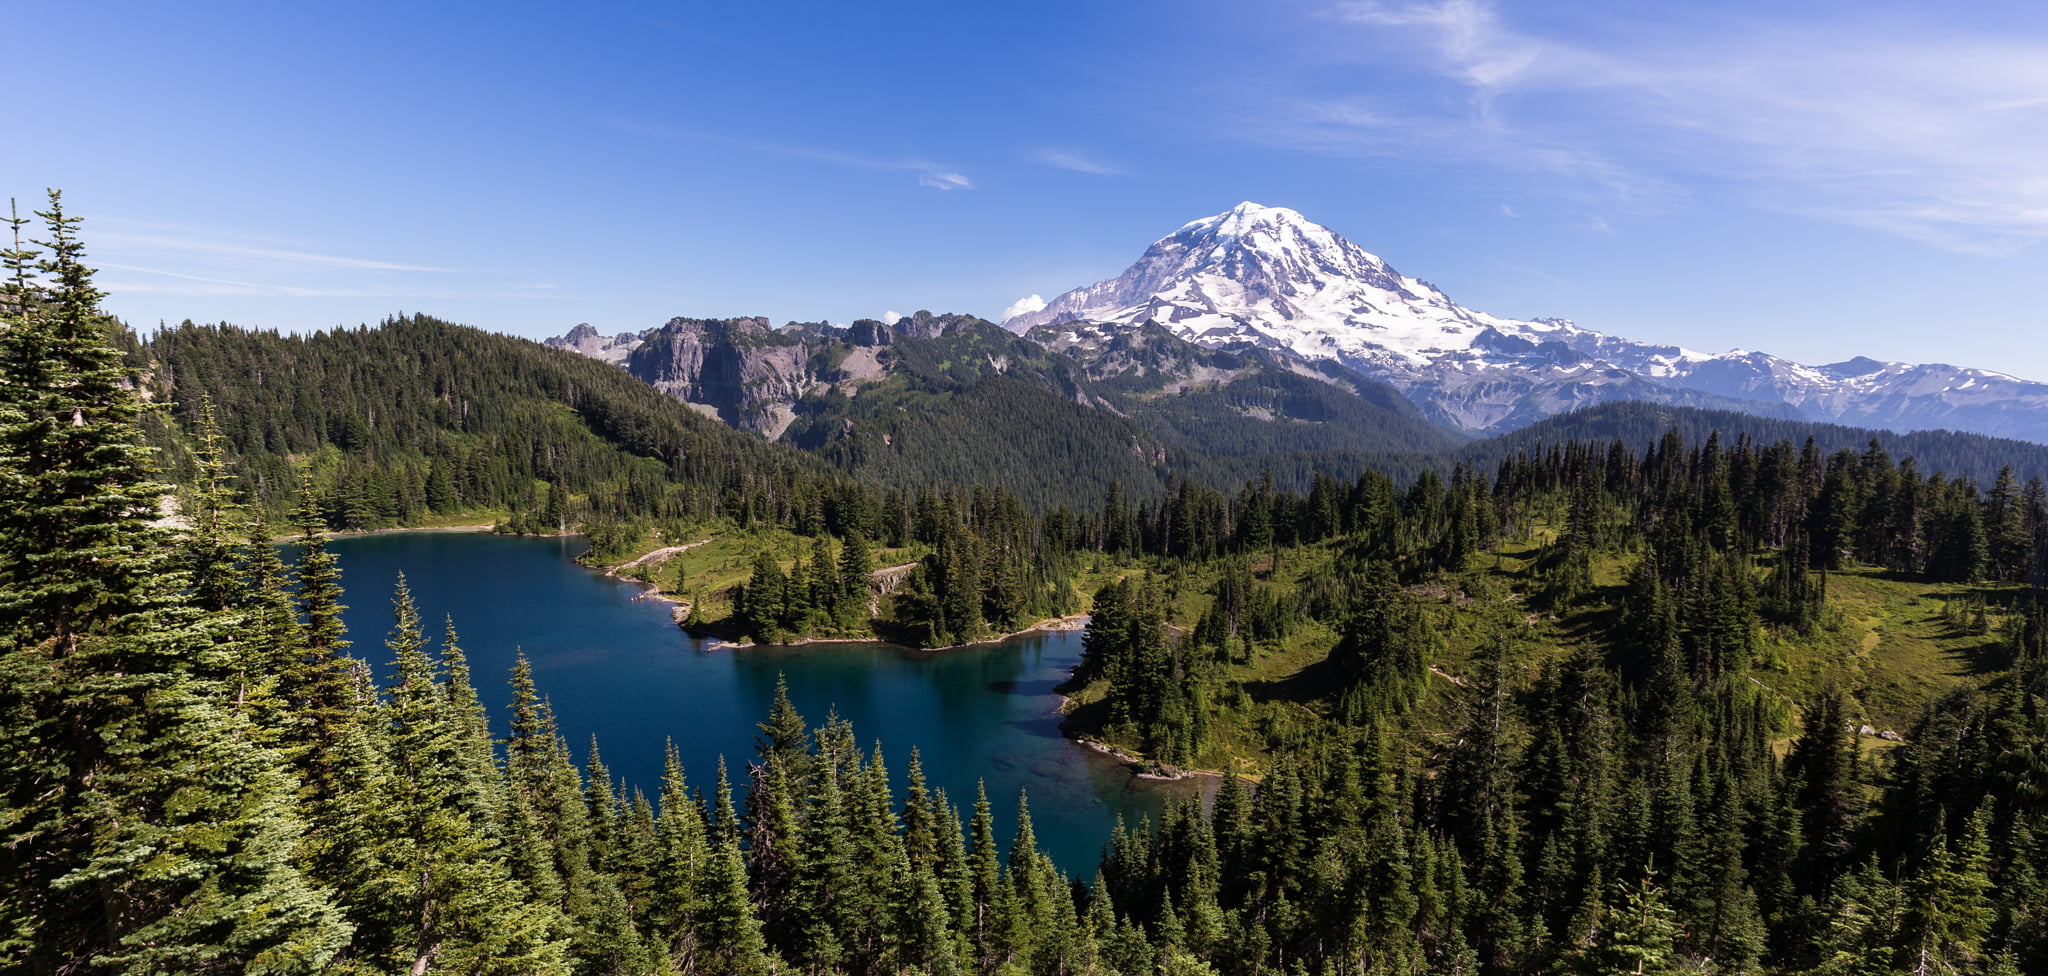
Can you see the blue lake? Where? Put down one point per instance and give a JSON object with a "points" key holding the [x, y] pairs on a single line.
{"points": [[615, 666]]}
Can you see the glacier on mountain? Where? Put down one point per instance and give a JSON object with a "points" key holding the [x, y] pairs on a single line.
{"points": [[1271, 278]]}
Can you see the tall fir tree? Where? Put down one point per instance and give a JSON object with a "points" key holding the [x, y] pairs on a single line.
{"points": [[144, 825]]}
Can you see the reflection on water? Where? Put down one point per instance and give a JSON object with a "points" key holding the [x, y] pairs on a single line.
{"points": [[615, 667]]}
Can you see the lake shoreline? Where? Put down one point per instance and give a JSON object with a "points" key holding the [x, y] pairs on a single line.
{"points": [[1141, 767], [680, 609], [1052, 625], [621, 672], [395, 529]]}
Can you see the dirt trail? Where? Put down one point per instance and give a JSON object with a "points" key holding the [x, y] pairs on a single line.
{"points": [[889, 577], [658, 554]]}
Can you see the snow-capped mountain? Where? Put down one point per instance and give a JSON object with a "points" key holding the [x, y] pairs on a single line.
{"points": [[1269, 277]]}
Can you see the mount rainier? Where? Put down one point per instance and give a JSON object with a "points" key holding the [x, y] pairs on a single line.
{"points": [[1267, 277]]}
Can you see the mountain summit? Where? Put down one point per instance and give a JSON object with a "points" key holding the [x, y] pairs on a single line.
{"points": [[1271, 278]]}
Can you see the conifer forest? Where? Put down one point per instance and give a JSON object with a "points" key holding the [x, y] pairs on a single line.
{"points": [[1551, 703]]}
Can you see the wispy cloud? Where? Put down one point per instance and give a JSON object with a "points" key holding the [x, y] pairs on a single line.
{"points": [[117, 240], [158, 281], [1075, 161], [1533, 273], [1923, 129], [147, 258], [191, 284], [936, 175], [1373, 125], [943, 180]]}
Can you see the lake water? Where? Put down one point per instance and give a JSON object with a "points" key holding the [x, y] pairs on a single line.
{"points": [[615, 666]]}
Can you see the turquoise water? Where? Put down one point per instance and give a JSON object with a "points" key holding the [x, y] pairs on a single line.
{"points": [[615, 666]]}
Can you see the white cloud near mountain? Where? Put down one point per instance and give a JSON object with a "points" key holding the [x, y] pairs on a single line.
{"points": [[1899, 120], [1022, 306]]}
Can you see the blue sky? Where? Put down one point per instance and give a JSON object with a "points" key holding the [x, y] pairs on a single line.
{"points": [[1842, 179]]}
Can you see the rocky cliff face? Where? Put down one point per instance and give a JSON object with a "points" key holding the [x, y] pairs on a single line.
{"points": [[741, 370], [752, 375], [873, 395], [585, 340]]}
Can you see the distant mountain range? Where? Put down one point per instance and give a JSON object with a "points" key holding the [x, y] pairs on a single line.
{"points": [[957, 398], [1267, 277], [1256, 341]]}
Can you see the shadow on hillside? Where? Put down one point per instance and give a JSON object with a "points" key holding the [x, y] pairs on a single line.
{"points": [[1985, 653], [1306, 686]]}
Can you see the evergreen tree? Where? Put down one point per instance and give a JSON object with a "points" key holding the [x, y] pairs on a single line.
{"points": [[728, 930], [1642, 936], [210, 507], [1949, 909], [144, 827], [681, 867], [425, 882]]}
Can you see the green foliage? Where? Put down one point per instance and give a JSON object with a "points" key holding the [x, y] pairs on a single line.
{"points": [[147, 825], [473, 422], [197, 778], [964, 402]]}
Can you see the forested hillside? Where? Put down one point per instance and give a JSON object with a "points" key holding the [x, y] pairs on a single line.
{"points": [[417, 418], [1049, 418], [1603, 712], [1591, 709], [1639, 425]]}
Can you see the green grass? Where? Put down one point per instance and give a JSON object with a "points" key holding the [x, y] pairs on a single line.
{"points": [[725, 560], [1885, 639]]}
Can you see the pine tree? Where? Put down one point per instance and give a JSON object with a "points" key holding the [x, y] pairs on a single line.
{"points": [[776, 853], [1948, 899], [210, 508], [318, 685], [955, 872], [1030, 908], [1483, 815], [856, 567], [682, 862], [607, 814], [1641, 938], [990, 907], [480, 792], [77, 552], [762, 607], [319, 583], [920, 827], [1821, 766], [926, 935], [269, 637], [785, 737], [144, 825], [728, 930], [426, 883]]}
